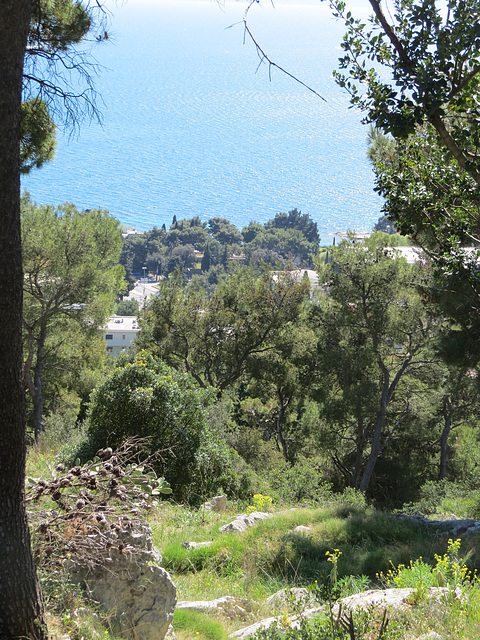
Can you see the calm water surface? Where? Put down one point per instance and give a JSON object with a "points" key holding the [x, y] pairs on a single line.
{"points": [[192, 127]]}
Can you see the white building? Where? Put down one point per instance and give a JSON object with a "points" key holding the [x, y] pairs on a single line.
{"points": [[119, 333], [142, 292]]}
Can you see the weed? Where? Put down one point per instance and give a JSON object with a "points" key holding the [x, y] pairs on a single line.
{"points": [[260, 503]]}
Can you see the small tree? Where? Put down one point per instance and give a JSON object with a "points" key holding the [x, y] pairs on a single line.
{"points": [[145, 397], [71, 276], [373, 331]]}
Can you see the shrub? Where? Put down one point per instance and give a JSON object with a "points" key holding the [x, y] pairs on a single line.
{"points": [[299, 482], [260, 503], [450, 570], [144, 397]]}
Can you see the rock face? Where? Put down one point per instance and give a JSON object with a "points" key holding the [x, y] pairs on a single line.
{"points": [[129, 583], [380, 598]]}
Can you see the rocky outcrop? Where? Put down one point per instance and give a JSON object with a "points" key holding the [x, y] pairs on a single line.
{"points": [[129, 583], [454, 527], [295, 594], [380, 598], [233, 607]]}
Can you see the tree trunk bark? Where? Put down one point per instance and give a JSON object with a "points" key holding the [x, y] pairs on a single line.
{"points": [[37, 395], [359, 448], [388, 390], [447, 427], [21, 608], [281, 414], [377, 438]]}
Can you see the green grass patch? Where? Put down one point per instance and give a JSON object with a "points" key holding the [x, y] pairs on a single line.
{"points": [[195, 624]]}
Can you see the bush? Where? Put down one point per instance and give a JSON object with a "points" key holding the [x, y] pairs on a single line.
{"points": [[299, 482], [445, 497], [144, 397]]}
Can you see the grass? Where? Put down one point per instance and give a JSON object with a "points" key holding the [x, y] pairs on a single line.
{"points": [[273, 555], [193, 624]]}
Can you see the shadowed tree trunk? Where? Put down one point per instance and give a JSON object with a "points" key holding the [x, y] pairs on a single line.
{"points": [[21, 608]]}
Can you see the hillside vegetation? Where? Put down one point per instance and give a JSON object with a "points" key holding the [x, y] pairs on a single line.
{"points": [[329, 401]]}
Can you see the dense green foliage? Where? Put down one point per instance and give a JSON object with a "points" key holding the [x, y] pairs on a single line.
{"points": [[71, 280], [345, 387], [429, 198], [215, 337], [414, 73], [147, 398], [372, 332], [288, 237], [417, 65]]}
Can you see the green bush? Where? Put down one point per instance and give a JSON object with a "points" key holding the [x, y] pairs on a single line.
{"points": [[299, 482], [445, 497], [145, 397]]}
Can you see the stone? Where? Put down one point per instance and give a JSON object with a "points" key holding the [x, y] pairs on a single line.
{"points": [[196, 545], [453, 527], [302, 529], [218, 503], [243, 521], [129, 583], [395, 598], [381, 598], [202, 605], [253, 628], [234, 607], [170, 635]]}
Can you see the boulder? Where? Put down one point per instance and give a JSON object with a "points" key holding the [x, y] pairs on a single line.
{"points": [[452, 527], [380, 598], [129, 583], [302, 529], [233, 607], [253, 628], [295, 594]]}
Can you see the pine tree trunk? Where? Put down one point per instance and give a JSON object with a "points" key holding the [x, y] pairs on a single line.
{"points": [[21, 608], [447, 427], [281, 414], [37, 396]]}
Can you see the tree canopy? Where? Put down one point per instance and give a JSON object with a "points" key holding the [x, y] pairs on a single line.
{"points": [[214, 337], [372, 331], [72, 275], [417, 65]]}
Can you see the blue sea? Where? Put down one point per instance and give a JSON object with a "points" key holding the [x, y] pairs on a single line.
{"points": [[194, 126]]}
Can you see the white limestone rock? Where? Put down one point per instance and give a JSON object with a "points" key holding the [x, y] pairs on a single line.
{"points": [[130, 584], [218, 503], [243, 521]]}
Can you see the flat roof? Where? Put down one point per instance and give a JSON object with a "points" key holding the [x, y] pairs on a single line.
{"points": [[122, 324]]}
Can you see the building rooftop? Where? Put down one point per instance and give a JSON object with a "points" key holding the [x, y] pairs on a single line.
{"points": [[122, 324]]}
